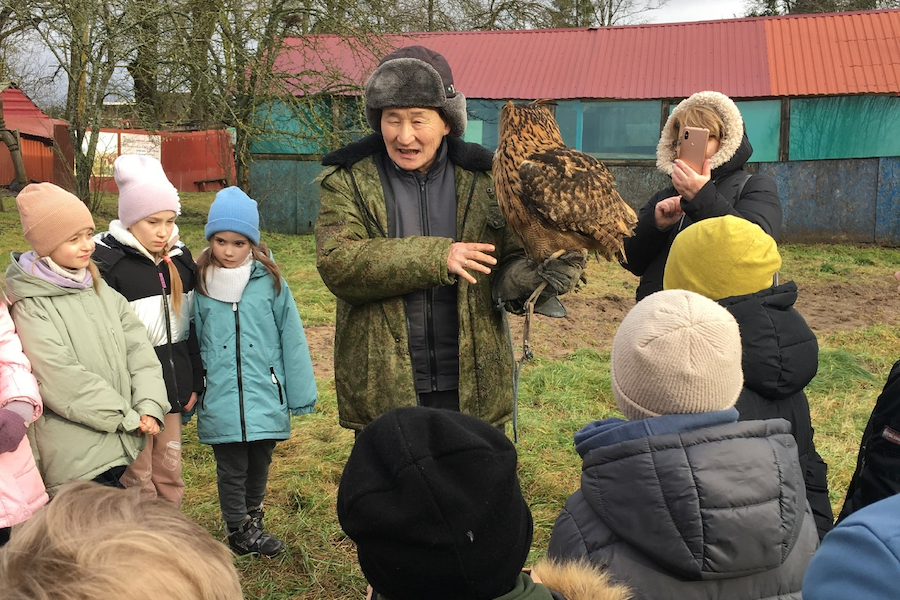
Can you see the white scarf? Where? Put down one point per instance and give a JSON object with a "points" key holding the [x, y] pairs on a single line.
{"points": [[227, 285]]}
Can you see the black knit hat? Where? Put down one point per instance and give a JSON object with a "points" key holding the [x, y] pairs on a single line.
{"points": [[415, 76], [432, 500]]}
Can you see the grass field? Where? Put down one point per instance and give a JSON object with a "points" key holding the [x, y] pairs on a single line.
{"points": [[556, 398]]}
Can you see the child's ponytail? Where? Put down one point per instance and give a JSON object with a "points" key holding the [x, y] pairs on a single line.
{"points": [[261, 253], [95, 276], [176, 288]]}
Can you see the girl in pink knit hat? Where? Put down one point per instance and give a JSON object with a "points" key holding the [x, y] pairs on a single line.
{"points": [[100, 380], [142, 258]]}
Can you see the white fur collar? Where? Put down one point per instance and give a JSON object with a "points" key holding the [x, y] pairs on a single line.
{"points": [[734, 130], [127, 238]]}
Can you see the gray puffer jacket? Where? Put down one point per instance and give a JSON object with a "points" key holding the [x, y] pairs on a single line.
{"points": [[712, 512]]}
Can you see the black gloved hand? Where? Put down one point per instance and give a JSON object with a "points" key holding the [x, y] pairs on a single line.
{"points": [[563, 273], [516, 281]]}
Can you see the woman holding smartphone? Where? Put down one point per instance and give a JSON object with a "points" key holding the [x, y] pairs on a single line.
{"points": [[721, 187]]}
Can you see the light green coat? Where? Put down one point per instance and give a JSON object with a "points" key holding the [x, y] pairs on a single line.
{"points": [[97, 372], [370, 272]]}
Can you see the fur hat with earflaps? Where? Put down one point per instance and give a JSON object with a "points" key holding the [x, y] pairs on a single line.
{"points": [[432, 499], [676, 352], [415, 76], [50, 215]]}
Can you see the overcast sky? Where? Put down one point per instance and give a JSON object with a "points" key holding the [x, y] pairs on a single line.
{"points": [[677, 11]]}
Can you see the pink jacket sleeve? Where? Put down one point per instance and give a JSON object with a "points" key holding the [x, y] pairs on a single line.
{"points": [[16, 380]]}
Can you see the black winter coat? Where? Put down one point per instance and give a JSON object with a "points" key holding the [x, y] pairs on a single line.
{"points": [[877, 474], [647, 250], [780, 357], [138, 279]]}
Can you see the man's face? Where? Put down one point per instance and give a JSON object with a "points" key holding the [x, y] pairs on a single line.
{"points": [[413, 136]]}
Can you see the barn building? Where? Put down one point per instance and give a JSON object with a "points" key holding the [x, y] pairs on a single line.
{"points": [[820, 95]]}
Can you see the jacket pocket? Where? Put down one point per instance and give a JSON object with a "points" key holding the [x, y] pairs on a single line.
{"points": [[277, 383]]}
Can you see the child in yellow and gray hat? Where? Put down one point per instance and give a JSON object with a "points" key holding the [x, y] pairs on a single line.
{"points": [[734, 262]]}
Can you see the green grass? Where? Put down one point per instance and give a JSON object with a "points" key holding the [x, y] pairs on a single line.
{"points": [[556, 398]]}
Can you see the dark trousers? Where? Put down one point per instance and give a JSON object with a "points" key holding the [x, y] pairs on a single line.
{"points": [[242, 471], [111, 477]]}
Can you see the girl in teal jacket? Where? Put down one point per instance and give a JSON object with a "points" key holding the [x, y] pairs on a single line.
{"points": [[258, 367]]}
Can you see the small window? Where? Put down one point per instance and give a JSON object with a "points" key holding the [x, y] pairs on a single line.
{"points": [[845, 127], [621, 129], [483, 125], [762, 121]]}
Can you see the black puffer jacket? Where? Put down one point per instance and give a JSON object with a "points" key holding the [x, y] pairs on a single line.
{"points": [[136, 277], [780, 357], [715, 512], [757, 201]]}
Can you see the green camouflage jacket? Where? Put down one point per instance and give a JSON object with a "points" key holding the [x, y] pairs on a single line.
{"points": [[370, 272]]}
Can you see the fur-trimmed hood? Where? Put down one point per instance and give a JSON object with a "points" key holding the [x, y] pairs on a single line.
{"points": [[471, 157], [734, 144], [579, 580]]}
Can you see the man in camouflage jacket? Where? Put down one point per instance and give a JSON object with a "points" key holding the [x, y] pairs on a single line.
{"points": [[405, 286]]}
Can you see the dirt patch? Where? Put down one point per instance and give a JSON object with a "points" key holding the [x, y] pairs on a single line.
{"points": [[592, 321], [840, 306]]}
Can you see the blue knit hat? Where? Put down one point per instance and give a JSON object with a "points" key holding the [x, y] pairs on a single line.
{"points": [[233, 210]]}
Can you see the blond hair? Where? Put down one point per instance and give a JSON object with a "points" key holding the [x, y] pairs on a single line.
{"points": [[99, 543], [701, 116]]}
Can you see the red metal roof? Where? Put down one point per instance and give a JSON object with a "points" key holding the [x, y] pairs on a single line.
{"points": [[21, 113], [796, 55], [840, 53]]}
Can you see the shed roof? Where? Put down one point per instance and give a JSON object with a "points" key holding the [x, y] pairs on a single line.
{"points": [[795, 55], [19, 112]]}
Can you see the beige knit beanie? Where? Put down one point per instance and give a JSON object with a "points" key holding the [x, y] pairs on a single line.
{"points": [[676, 352], [50, 215]]}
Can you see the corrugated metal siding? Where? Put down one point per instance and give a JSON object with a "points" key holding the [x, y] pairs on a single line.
{"points": [[38, 159], [823, 54], [835, 54]]}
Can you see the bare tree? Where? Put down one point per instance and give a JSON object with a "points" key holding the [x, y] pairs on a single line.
{"points": [[601, 13], [762, 8], [89, 39]]}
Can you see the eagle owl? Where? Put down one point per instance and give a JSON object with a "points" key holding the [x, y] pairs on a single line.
{"points": [[555, 198]]}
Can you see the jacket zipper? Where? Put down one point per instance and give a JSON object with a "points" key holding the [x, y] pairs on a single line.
{"points": [[165, 299], [240, 381], [429, 295], [278, 383]]}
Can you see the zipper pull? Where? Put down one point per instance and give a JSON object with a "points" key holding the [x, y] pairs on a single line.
{"points": [[162, 280], [234, 307], [274, 379]]}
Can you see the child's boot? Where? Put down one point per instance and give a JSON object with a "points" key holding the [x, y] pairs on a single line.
{"points": [[249, 538]]}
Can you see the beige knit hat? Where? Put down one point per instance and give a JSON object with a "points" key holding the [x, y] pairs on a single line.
{"points": [[676, 352], [50, 215]]}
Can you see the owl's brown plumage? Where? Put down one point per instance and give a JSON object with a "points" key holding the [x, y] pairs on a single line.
{"points": [[555, 198]]}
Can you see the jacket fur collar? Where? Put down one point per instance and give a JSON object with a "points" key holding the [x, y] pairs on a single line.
{"points": [[471, 157], [728, 147], [579, 581]]}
